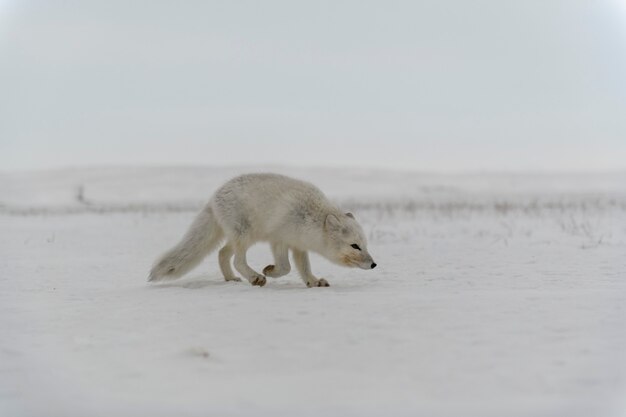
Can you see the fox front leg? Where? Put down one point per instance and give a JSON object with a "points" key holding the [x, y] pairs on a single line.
{"points": [[301, 259], [281, 265]]}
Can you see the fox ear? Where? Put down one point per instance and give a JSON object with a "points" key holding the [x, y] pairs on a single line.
{"points": [[332, 222], [350, 215]]}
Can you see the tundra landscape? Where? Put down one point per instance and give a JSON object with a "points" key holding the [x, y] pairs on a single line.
{"points": [[495, 294]]}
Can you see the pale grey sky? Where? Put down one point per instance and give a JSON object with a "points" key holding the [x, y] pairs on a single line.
{"points": [[426, 85]]}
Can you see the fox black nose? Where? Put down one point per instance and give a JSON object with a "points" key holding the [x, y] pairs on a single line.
{"points": [[373, 265]]}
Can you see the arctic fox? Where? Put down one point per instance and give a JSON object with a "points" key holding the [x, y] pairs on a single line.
{"points": [[287, 213]]}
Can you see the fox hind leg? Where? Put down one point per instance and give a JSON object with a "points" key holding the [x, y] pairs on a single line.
{"points": [[241, 265], [224, 256], [281, 265]]}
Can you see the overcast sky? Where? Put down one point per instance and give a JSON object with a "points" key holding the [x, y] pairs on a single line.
{"points": [[424, 85]]}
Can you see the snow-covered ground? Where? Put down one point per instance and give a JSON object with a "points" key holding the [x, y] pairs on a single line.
{"points": [[495, 295]]}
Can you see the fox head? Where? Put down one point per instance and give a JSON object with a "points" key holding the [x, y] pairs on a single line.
{"points": [[345, 242]]}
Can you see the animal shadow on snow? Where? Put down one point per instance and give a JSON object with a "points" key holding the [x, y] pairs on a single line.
{"points": [[203, 281], [194, 283]]}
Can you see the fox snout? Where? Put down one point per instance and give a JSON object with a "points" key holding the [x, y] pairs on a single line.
{"points": [[367, 263], [363, 262]]}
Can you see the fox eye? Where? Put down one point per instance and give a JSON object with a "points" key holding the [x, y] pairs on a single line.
{"points": [[355, 246]]}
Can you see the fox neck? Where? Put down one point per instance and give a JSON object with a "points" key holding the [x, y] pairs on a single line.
{"points": [[317, 239], [311, 235]]}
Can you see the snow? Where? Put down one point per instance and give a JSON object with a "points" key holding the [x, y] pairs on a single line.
{"points": [[495, 295]]}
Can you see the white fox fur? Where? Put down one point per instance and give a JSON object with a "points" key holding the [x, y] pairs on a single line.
{"points": [[287, 213]]}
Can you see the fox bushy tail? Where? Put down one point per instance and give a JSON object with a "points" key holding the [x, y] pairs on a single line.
{"points": [[202, 238]]}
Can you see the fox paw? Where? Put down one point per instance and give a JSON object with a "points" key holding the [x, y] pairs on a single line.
{"points": [[276, 271], [258, 280], [237, 279], [319, 283], [268, 270]]}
